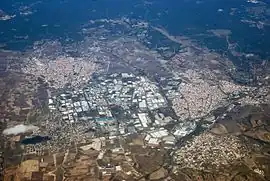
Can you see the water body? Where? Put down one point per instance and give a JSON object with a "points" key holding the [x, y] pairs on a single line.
{"points": [[62, 19], [35, 139]]}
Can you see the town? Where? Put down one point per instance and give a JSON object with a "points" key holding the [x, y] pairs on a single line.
{"points": [[119, 104]]}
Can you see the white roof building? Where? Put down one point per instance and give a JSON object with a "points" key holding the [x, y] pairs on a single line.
{"points": [[50, 101], [85, 106], [153, 142], [143, 118], [159, 133], [77, 104], [142, 105]]}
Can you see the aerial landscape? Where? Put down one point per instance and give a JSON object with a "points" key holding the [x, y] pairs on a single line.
{"points": [[135, 90]]}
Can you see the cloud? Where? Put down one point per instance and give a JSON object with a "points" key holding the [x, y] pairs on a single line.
{"points": [[18, 129]]}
